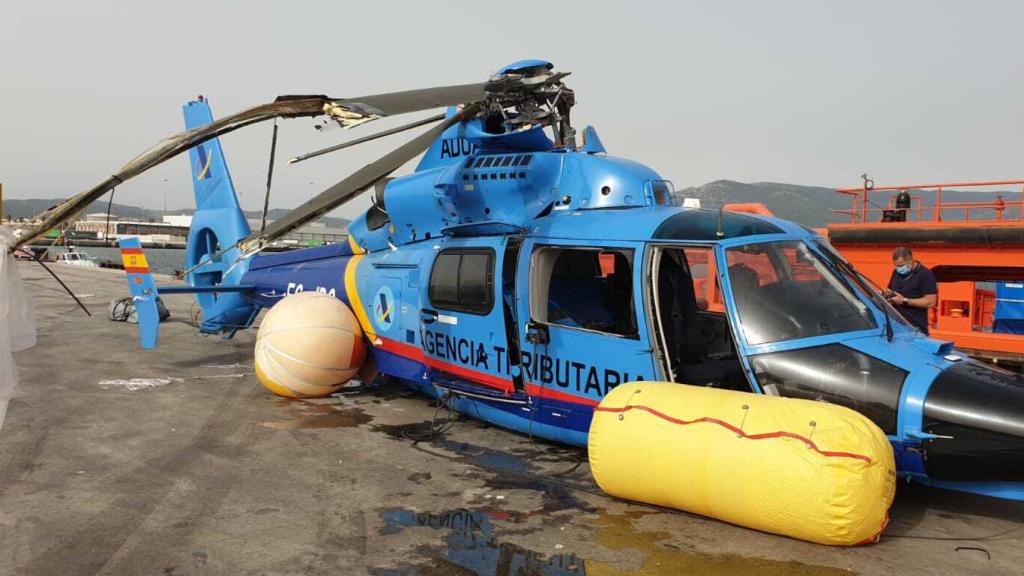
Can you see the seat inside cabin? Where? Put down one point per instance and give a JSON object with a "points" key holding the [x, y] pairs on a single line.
{"points": [[698, 342]]}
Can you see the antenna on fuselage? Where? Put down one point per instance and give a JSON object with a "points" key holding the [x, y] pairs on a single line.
{"points": [[721, 222]]}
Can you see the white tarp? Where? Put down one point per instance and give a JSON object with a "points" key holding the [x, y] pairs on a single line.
{"points": [[17, 319]]}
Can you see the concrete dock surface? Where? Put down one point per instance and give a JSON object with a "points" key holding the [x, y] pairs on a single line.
{"points": [[175, 461]]}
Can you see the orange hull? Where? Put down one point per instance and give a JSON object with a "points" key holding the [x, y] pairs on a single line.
{"points": [[963, 254]]}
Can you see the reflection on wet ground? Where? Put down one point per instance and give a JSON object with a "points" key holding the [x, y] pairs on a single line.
{"points": [[618, 532], [473, 547], [308, 415]]}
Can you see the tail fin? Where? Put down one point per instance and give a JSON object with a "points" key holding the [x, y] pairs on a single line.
{"points": [[217, 226], [210, 175], [143, 290]]}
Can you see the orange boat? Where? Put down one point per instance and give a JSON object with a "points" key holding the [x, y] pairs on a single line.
{"points": [[970, 246]]}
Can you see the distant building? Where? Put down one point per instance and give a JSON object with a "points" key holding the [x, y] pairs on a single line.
{"points": [[312, 234], [179, 220], [174, 229]]}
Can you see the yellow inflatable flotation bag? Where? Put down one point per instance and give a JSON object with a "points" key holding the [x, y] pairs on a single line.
{"points": [[805, 469]]}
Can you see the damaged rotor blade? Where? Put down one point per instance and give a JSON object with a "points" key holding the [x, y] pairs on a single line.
{"points": [[499, 91], [413, 100], [369, 138], [167, 149], [351, 186], [351, 110]]}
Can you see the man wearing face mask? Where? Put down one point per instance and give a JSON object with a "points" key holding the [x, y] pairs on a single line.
{"points": [[912, 288]]}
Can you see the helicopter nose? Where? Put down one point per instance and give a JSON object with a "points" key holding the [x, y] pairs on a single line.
{"points": [[976, 412]]}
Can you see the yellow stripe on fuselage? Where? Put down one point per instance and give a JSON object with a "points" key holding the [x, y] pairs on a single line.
{"points": [[354, 246], [353, 297]]}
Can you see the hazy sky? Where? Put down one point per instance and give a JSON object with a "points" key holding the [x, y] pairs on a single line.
{"points": [[801, 92]]}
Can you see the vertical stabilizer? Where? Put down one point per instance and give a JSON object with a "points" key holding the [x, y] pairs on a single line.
{"points": [[211, 255], [210, 175]]}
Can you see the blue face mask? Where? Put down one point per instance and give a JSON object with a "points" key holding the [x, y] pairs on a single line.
{"points": [[903, 270]]}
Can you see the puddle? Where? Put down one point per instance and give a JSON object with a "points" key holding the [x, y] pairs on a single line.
{"points": [[471, 547], [514, 469], [415, 431], [617, 532], [555, 497], [311, 416], [515, 461]]}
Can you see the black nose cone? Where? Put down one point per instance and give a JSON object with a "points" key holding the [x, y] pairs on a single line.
{"points": [[978, 410]]}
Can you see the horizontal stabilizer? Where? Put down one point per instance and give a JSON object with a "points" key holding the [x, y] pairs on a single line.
{"points": [[143, 290]]}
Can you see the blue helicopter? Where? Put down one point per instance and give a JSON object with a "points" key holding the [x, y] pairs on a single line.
{"points": [[522, 276]]}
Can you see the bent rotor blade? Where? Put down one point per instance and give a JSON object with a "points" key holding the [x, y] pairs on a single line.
{"points": [[365, 139], [413, 100], [167, 149], [351, 186], [352, 110]]}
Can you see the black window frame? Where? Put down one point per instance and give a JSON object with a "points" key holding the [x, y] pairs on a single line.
{"points": [[477, 309]]}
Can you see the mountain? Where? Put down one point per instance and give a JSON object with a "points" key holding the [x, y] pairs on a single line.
{"points": [[813, 205], [808, 205], [28, 208]]}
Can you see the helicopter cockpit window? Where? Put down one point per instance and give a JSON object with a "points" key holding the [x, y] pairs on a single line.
{"points": [[587, 288], [463, 280], [834, 374], [784, 291]]}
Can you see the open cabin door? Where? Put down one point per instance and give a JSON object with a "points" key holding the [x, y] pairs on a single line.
{"points": [[691, 322]]}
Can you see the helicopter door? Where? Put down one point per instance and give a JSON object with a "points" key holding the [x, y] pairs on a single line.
{"points": [[463, 319], [583, 320], [691, 322]]}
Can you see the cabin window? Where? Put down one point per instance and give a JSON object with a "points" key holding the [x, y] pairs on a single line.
{"points": [[784, 291], [463, 280], [585, 288]]}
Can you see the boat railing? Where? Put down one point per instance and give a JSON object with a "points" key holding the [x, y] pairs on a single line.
{"points": [[864, 207]]}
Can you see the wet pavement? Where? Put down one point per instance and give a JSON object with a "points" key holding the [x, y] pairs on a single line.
{"points": [[115, 460]]}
